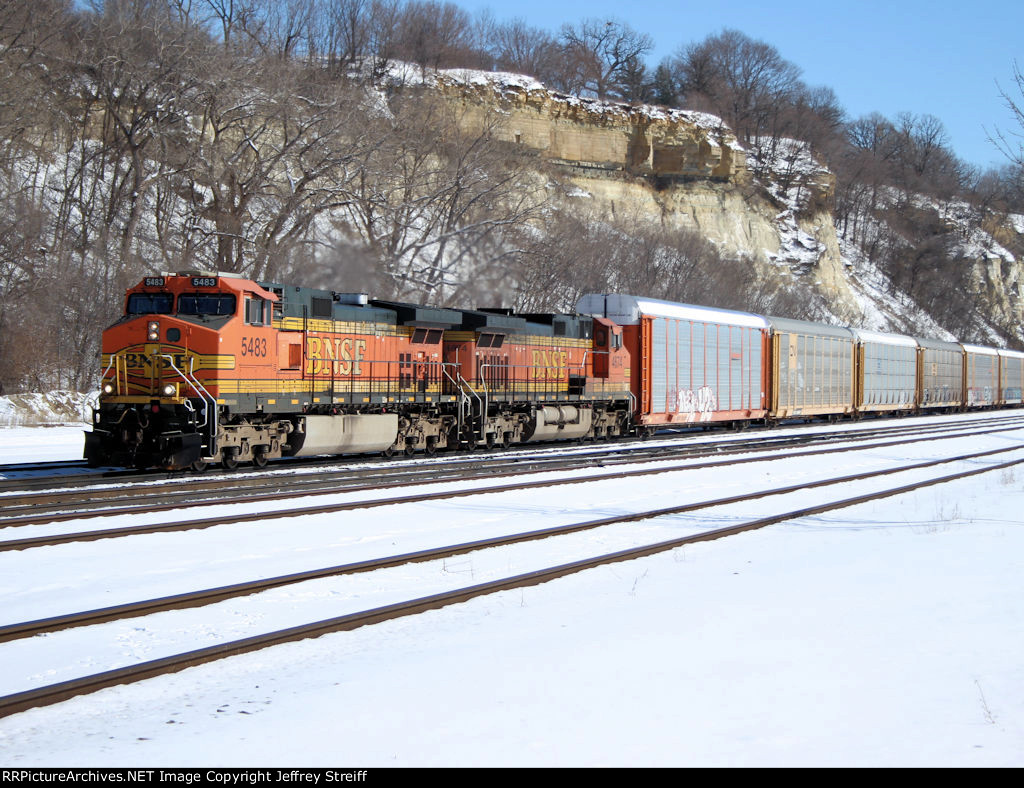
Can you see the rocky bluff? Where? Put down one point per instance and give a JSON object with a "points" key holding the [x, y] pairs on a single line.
{"points": [[688, 170], [683, 169]]}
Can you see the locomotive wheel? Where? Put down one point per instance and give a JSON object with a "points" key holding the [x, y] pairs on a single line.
{"points": [[259, 459], [489, 443], [410, 449], [229, 463], [388, 453], [199, 466], [430, 447]]}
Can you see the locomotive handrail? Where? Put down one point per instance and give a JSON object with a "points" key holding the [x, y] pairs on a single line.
{"points": [[550, 384], [121, 364], [204, 395], [113, 358], [487, 398], [462, 384], [455, 384]]}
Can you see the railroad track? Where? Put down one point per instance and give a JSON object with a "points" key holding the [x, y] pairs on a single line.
{"points": [[57, 692], [407, 479], [80, 503], [92, 483]]}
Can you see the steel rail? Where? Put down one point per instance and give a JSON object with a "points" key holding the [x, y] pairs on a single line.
{"points": [[48, 695], [75, 483], [212, 595], [228, 519]]}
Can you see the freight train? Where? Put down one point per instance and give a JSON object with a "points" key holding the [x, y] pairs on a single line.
{"points": [[213, 368]]}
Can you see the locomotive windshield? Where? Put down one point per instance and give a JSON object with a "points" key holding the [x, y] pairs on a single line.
{"points": [[218, 304], [150, 303]]}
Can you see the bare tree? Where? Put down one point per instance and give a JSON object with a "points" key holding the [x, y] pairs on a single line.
{"points": [[600, 51], [580, 252], [145, 70], [433, 198], [31, 46], [346, 32], [743, 80], [1011, 143], [275, 28], [227, 16], [521, 49], [269, 159], [381, 34], [435, 35], [876, 135]]}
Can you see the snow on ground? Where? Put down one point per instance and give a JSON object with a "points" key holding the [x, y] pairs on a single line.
{"points": [[55, 408], [42, 444], [887, 634]]}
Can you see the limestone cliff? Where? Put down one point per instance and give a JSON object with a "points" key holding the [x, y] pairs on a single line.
{"points": [[687, 169]]}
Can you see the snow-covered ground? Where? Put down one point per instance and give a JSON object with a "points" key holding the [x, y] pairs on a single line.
{"points": [[56, 408], [887, 634]]}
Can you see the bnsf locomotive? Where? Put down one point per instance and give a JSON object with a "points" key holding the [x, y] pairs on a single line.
{"points": [[215, 368]]}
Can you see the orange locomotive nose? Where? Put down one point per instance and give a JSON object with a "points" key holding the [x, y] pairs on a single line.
{"points": [[160, 362]]}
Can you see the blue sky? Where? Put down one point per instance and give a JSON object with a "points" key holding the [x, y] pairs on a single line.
{"points": [[939, 57]]}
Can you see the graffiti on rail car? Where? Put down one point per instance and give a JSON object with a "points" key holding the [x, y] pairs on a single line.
{"points": [[697, 405]]}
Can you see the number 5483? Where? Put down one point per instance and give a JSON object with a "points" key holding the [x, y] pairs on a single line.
{"points": [[254, 346]]}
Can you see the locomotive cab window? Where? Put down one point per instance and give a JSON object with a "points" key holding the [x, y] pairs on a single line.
{"points": [[150, 303], [208, 304], [255, 311]]}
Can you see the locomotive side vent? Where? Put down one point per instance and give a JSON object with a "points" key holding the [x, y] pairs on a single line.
{"points": [[321, 307]]}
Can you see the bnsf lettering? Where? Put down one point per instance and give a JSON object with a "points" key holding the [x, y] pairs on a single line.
{"points": [[549, 364], [337, 356], [142, 361], [254, 346]]}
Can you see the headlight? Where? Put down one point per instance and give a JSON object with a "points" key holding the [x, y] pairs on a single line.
{"points": [[169, 390], [108, 388], [153, 330]]}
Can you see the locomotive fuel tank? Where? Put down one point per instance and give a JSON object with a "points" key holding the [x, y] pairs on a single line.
{"points": [[563, 422], [355, 434]]}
